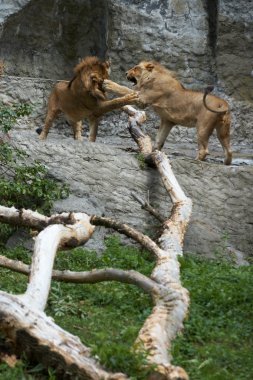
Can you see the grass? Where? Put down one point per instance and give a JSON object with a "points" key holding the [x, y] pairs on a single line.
{"points": [[217, 340], [217, 343]]}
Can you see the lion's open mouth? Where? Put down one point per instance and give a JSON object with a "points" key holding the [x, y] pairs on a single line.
{"points": [[132, 79]]}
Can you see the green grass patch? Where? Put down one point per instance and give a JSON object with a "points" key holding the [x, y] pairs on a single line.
{"points": [[217, 340]]}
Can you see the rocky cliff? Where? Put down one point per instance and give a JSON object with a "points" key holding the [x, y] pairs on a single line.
{"points": [[204, 41]]}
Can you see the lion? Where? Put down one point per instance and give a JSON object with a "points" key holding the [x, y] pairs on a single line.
{"points": [[83, 97], [176, 105]]}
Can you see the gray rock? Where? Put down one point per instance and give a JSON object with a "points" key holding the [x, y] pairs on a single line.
{"points": [[20, 238], [102, 177]]}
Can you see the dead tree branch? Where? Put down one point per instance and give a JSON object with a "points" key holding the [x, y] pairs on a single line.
{"points": [[146, 206], [90, 277], [123, 228], [167, 316], [33, 219]]}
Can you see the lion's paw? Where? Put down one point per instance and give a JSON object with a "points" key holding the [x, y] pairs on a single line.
{"points": [[42, 136], [108, 85], [133, 97]]}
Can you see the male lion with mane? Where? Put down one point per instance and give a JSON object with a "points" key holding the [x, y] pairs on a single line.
{"points": [[83, 97], [159, 88]]}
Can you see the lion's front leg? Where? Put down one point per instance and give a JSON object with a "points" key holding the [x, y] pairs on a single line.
{"points": [[110, 86], [163, 131], [113, 104], [93, 125], [77, 129]]}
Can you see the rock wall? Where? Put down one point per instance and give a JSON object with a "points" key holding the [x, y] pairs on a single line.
{"points": [[47, 38], [204, 41], [234, 53]]}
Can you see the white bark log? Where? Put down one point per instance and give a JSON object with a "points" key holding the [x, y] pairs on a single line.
{"points": [[33, 219], [166, 319], [46, 245], [32, 330]]}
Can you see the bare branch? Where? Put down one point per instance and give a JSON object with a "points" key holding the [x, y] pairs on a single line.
{"points": [[28, 218], [169, 180], [132, 233], [90, 277], [146, 206], [46, 245]]}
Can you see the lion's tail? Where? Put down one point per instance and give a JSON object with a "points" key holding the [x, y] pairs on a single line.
{"points": [[207, 91], [39, 130]]}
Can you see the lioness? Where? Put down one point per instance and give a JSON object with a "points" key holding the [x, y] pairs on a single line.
{"points": [[176, 105], [83, 97]]}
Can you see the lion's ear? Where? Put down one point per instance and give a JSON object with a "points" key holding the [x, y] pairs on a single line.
{"points": [[107, 66], [149, 66], [94, 77]]}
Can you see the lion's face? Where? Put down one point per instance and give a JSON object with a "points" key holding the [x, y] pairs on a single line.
{"points": [[93, 80], [138, 72], [91, 73]]}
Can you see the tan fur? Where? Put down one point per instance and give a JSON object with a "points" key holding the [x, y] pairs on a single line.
{"points": [[176, 105], [83, 97], [1, 67]]}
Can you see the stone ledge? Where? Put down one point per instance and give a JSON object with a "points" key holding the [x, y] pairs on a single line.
{"points": [[102, 177]]}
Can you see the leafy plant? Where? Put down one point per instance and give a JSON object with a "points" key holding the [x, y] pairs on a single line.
{"points": [[31, 188], [23, 184], [141, 160], [10, 114], [24, 371], [61, 304]]}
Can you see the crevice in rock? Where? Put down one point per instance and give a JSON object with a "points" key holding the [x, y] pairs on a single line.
{"points": [[212, 8]]}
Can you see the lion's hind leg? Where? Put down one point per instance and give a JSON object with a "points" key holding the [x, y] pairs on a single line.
{"points": [[223, 134], [52, 113], [204, 134]]}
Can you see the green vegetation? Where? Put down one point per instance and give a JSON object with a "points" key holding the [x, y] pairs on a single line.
{"points": [[10, 114], [141, 160], [216, 343], [30, 187], [23, 184]]}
